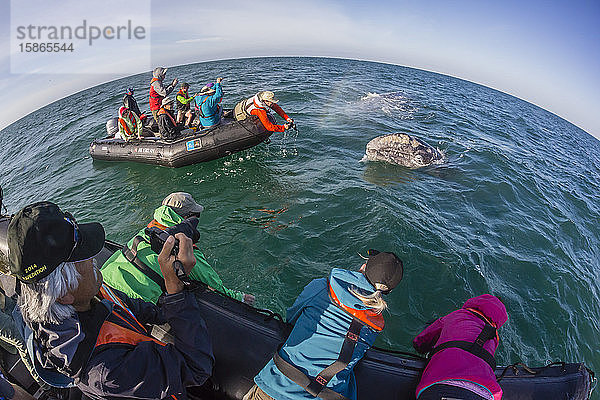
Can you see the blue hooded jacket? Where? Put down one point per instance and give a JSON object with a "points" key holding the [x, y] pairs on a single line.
{"points": [[209, 106], [316, 340]]}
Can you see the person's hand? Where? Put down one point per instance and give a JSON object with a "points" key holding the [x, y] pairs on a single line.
{"points": [[290, 120], [249, 299], [219, 80], [175, 81], [165, 260]]}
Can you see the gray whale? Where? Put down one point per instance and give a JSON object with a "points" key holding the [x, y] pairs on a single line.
{"points": [[402, 149]]}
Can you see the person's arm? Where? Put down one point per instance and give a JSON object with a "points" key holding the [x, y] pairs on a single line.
{"points": [[262, 115], [425, 340], [311, 290], [160, 88], [203, 272], [218, 96], [275, 107], [156, 371], [170, 88]]}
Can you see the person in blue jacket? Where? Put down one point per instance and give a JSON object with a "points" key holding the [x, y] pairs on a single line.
{"points": [[336, 320], [209, 104]]}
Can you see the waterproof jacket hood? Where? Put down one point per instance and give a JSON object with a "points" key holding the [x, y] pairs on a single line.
{"points": [[342, 281], [490, 306], [159, 73]]}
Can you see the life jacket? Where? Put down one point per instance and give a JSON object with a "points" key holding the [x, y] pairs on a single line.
{"points": [[243, 109], [317, 386], [155, 98], [489, 332], [129, 125], [180, 105], [163, 111], [126, 329]]}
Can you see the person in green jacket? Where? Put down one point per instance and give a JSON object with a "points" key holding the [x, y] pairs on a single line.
{"points": [[122, 275]]}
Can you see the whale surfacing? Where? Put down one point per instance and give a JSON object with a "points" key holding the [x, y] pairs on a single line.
{"points": [[402, 149]]}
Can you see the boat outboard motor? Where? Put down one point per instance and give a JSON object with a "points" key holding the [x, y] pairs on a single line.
{"points": [[112, 127]]}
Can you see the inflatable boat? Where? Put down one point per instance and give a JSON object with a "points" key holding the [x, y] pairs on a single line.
{"points": [[244, 338], [204, 145]]}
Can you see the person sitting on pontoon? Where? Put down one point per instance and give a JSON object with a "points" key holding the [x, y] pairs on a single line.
{"points": [[130, 102], [257, 105], [130, 125]]}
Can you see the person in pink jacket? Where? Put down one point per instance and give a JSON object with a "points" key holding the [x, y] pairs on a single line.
{"points": [[462, 345]]}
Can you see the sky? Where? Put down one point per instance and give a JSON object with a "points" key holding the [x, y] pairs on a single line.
{"points": [[544, 52]]}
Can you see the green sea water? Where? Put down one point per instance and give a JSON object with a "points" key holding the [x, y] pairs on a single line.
{"points": [[514, 210]]}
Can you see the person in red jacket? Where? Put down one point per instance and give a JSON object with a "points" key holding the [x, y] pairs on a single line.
{"points": [[158, 91], [257, 105]]}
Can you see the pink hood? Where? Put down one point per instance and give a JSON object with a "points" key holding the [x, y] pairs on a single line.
{"points": [[490, 306]]}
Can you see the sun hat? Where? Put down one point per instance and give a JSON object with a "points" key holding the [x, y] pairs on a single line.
{"points": [[268, 96], [166, 100], [183, 204], [384, 268], [40, 237], [208, 89]]}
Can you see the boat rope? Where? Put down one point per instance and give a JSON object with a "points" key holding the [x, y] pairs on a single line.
{"points": [[527, 369], [270, 314]]}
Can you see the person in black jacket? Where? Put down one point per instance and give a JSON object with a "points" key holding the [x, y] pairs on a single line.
{"points": [[167, 126], [92, 334], [130, 102]]}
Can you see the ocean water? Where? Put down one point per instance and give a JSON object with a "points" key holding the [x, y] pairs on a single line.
{"points": [[514, 210]]}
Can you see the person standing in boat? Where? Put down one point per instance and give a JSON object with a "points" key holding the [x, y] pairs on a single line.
{"points": [[257, 105], [130, 125], [168, 128], [462, 346], [86, 333], [208, 102], [183, 103], [122, 274], [336, 320], [130, 102], [158, 91]]}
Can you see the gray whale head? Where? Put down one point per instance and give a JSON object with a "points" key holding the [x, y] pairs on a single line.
{"points": [[402, 149]]}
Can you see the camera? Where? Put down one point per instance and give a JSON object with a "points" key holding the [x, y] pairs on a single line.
{"points": [[158, 236]]}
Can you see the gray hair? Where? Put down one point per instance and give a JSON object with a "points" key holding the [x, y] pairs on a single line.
{"points": [[38, 301], [373, 300]]}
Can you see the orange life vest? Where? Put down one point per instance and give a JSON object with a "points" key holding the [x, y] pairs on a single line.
{"points": [[130, 332], [368, 317]]}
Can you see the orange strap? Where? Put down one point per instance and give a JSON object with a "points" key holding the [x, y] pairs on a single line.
{"points": [[486, 319], [367, 317], [113, 333]]}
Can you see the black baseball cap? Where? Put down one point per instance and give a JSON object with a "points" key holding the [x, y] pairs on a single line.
{"points": [[385, 268], [40, 237]]}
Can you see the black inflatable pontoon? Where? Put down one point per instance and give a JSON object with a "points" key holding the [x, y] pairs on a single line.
{"points": [[205, 145], [244, 339]]}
